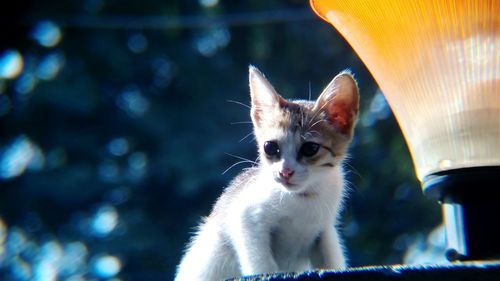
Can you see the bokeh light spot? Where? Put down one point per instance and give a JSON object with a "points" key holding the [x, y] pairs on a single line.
{"points": [[47, 33], [133, 102], [49, 66], [18, 156], [215, 39], [21, 270], [137, 165], [106, 266], [138, 161], [118, 146], [137, 43], [25, 84], [208, 3], [378, 110], [164, 71], [51, 250], [104, 221], [45, 270], [16, 240], [11, 64], [74, 260]]}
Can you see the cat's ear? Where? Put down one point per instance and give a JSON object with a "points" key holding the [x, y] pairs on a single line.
{"points": [[340, 102], [264, 97]]}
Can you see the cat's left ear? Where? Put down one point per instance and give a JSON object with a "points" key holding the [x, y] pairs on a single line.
{"points": [[340, 102], [265, 99]]}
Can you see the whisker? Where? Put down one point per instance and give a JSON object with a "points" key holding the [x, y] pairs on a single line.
{"points": [[315, 123], [240, 103], [241, 122], [352, 170], [236, 164], [239, 157], [243, 161], [246, 136], [350, 188]]}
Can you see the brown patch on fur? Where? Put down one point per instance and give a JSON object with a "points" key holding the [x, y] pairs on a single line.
{"points": [[299, 117], [329, 121]]}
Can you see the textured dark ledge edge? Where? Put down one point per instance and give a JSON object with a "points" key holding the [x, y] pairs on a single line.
{"points": [[465, 271]]}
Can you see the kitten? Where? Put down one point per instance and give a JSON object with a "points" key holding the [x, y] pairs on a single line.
{"points": [[279, 216]]}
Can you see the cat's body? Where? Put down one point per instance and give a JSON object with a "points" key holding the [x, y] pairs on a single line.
{"points": [[279, 216]]}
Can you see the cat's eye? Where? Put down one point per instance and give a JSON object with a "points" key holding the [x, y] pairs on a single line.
{"points": [[271, 148], [309, 149]]}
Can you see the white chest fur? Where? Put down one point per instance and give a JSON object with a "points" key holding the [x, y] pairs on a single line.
{"points": [[283, 229], [261, 228]]}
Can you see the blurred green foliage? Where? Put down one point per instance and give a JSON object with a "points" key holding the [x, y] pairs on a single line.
{"points": [[115, 134]]}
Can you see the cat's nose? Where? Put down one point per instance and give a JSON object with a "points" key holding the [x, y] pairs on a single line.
{"points": [[286, 173]]}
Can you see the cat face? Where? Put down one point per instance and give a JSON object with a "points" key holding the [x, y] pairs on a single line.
{"points": [[299, 141]]}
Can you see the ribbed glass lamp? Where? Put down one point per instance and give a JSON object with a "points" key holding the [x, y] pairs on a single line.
{"points": [[438, 64]]}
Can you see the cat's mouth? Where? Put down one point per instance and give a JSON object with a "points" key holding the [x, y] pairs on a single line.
{"points": [[288, 184]]}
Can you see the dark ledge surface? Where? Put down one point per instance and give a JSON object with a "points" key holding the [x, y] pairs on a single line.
{"points": [[463, 271]]}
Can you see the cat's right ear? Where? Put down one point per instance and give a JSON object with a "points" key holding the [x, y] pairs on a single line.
{"points": [[264, 97], [340, 102]]}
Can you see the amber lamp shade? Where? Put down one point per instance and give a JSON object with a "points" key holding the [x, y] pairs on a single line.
{"points": [[438, 64]]}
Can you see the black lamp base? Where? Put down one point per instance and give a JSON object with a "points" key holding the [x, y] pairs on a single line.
{"points": [[471, 210]]}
